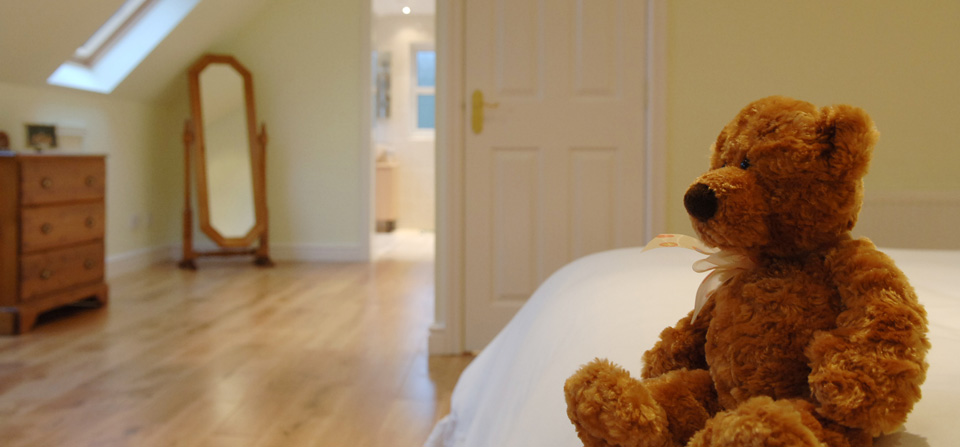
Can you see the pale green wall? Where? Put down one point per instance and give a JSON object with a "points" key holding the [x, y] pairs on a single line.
{"points": [[898, 60], [138, 174]]}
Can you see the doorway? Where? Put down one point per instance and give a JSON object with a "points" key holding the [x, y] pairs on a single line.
{"points": [[403, 65]]}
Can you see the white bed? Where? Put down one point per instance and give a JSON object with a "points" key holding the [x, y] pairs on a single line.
{"points": [[614, 305]]}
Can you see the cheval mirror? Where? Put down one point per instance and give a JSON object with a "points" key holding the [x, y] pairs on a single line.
{"points": [[228, 152]]}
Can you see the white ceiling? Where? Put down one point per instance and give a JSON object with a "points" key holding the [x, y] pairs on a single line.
{"points": [[392, 7]]}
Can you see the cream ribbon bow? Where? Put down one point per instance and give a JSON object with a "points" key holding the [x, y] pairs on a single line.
{"points": [[725, 264]]}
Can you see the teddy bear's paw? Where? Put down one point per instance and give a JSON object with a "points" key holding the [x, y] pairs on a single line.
{"points": [[759, 422], [610, 408]]}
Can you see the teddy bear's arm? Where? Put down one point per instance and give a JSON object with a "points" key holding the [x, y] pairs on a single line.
{"points": [[867, 372], [680, 346]]}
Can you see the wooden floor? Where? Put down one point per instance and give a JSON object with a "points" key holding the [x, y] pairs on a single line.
{"points": [[302, 354]]}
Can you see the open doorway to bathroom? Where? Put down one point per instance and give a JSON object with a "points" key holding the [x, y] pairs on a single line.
{"points": [[402, 130]]}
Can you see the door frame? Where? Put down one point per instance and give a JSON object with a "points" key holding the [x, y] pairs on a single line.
{"points": [[447, 333]]}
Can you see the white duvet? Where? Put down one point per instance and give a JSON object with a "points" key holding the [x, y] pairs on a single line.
{"points": [[614, 305]]}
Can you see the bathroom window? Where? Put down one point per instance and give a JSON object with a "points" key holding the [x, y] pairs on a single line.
{"points": [[424, 88]]}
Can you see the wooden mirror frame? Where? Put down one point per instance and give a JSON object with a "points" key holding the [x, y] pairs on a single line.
{"points": [[194, 142]]}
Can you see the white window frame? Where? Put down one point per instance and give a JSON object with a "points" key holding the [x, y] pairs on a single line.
{"points": [[124, 40], [111, 31]]}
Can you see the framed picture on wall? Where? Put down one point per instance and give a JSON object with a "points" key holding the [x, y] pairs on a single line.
{"points": [[382, 106], [41, 136]]}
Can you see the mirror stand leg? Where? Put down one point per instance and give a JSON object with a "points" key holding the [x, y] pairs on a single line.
{"points": [[262, 256], [187, 262], [188, 255]]}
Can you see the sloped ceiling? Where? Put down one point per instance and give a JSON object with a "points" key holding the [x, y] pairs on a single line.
{"points": [[36, 36], [210, 23]]}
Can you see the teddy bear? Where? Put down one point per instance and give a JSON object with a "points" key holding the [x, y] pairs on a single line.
{"points": [[816, 339]]}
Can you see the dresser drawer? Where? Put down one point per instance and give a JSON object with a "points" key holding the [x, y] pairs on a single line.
{"points": [[61, 179], [60, 269], [53, 226]]}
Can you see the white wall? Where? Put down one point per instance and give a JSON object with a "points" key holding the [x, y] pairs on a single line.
{"points": [[415, 154], [140, 211]]}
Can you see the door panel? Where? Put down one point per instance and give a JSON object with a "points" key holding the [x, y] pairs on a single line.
{"points": [[592, 200], [515, 209], [595, 65], [518, 48]]}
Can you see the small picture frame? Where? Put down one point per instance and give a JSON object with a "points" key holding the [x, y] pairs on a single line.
{"points": [[382, 105], [4, 141], [41, 137]]}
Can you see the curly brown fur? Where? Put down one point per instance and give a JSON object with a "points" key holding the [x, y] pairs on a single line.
{"points": [[680, 346], [762, 421], [821, 342], [608, 407], [868, 370]]}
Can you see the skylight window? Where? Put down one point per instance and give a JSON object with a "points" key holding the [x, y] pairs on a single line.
{"points": [[115, 49]]}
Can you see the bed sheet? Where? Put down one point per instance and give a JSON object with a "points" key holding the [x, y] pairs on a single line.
{"points": [[614, 305]]}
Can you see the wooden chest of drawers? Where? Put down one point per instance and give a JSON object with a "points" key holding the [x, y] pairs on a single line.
{"points": [[51, 235]]}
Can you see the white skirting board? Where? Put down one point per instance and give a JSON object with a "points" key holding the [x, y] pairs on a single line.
{"points": [[319, 253], [132, 261], [135, 260], [911, 219]]}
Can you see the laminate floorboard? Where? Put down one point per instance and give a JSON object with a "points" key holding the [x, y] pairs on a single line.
{"points": [[302, 354]]}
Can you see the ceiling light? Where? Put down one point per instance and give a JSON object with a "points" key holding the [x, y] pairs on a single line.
{"points": [[405, 10]]}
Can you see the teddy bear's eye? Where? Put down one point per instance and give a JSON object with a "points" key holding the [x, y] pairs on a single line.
{"points": [[745, 163]]}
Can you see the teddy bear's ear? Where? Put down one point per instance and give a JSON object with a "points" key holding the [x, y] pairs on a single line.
{"points": [[850, 136]]}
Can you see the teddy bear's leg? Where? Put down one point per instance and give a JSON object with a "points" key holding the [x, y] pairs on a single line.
{"points": [[610, 408], [689, 399], [764, 422]]}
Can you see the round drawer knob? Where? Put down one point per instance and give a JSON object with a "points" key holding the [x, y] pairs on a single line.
{"points": [[89, 222], [45, 274], [89, 181], [46, 182], [88, 264], [46, 228]]}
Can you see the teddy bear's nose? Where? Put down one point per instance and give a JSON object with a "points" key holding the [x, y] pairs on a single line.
{"points": [[701, 202]]}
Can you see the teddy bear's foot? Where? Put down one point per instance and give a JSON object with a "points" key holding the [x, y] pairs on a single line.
{"points": [[610, 408], [764, 422]]}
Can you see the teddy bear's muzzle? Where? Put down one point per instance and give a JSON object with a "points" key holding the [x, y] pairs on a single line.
{"points": [[701, 202]]}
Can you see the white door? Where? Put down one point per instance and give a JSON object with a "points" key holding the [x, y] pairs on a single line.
{"points": [[557, 171]]}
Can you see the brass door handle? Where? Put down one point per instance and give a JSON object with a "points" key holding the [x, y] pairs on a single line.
{"points": [[46, 228], [46, 183], [477, 105], [45, 274]]}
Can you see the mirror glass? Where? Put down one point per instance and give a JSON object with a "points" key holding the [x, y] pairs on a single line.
{"points": [[227, 151]]}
